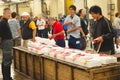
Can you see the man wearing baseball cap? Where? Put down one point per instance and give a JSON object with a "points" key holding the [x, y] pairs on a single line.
{"points": [[28, 29]]}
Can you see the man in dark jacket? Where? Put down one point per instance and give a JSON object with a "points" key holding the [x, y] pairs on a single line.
{"points": [[103, 32], [6, 44], [28, 29]]}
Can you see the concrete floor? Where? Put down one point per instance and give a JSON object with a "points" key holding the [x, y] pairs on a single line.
{"points": [[15, 75]]}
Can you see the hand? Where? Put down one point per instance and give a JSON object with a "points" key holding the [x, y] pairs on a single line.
{"points": [[68, 31], [53, 36], [84, 36], [72, 22], [33, 39], [99, 39]]}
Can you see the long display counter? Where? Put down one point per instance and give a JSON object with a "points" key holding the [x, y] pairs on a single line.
{"points": [[42, 67]]}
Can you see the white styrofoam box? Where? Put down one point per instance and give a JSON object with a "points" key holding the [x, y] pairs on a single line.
{"points": [[107, 59], [92, 55], [45, 41], [29, 48], [53, 54], [81, 58], [60, 56], [87, 62], [63, 55], [71, 57], [45, 51], [92, 63]]}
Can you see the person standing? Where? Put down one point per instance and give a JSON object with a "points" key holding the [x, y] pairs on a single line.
{"points": [[6, 44], [64, 27], [103, 31], [46, 28], [28, 29], [73, 23], [117, 23], [58, 32], [84, 25], [15, 29], [41, 26]]}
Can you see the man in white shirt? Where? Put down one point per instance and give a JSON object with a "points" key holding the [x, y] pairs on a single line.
{"points": [[41, 26], [117, 23]]}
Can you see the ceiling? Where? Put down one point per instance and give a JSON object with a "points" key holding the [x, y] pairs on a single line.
{"points": [[11, 1]]}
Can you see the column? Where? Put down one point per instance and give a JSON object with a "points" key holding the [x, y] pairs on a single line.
{"points": [[37, 8], [118, 5]]}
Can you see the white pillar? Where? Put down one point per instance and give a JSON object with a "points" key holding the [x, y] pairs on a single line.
{"points": [[37, 8]]}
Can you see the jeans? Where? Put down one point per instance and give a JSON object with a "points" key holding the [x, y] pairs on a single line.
{"points": [[60, 42], [83, 43], [6, 47], [74, 42], [45, 33], [41, 33]]}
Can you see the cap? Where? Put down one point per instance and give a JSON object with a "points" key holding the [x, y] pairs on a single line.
{"points": [[25, 14]]}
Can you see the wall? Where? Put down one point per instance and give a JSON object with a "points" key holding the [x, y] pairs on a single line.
{"points": [[37, 8], [55, 7], [61, 7], [13, 7], [79, 4], [23, 7], [1, 9]]}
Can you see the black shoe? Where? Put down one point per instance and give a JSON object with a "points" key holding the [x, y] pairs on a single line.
{"points": [[11, 78]]}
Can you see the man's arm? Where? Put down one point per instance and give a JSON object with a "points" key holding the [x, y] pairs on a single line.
{"points": [[109, 35], [81, 30], [33, 27], [67, 23], [19, 32], [58, 34], [72, 29], [34, 35]]}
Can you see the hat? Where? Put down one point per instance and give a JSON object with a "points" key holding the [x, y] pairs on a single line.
{"points": [[25, 14]]}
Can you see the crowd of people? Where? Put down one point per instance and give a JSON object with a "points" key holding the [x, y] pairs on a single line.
{"points": [[74, 28]]}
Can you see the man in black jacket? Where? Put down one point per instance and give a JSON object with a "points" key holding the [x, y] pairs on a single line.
{"points": [[6, 44], [103, 32]]}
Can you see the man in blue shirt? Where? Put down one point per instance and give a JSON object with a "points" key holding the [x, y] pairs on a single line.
{"points": [[74, 29], [15, 29]]}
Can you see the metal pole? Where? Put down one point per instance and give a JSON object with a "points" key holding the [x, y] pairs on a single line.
{"points": [[17, 10]]}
